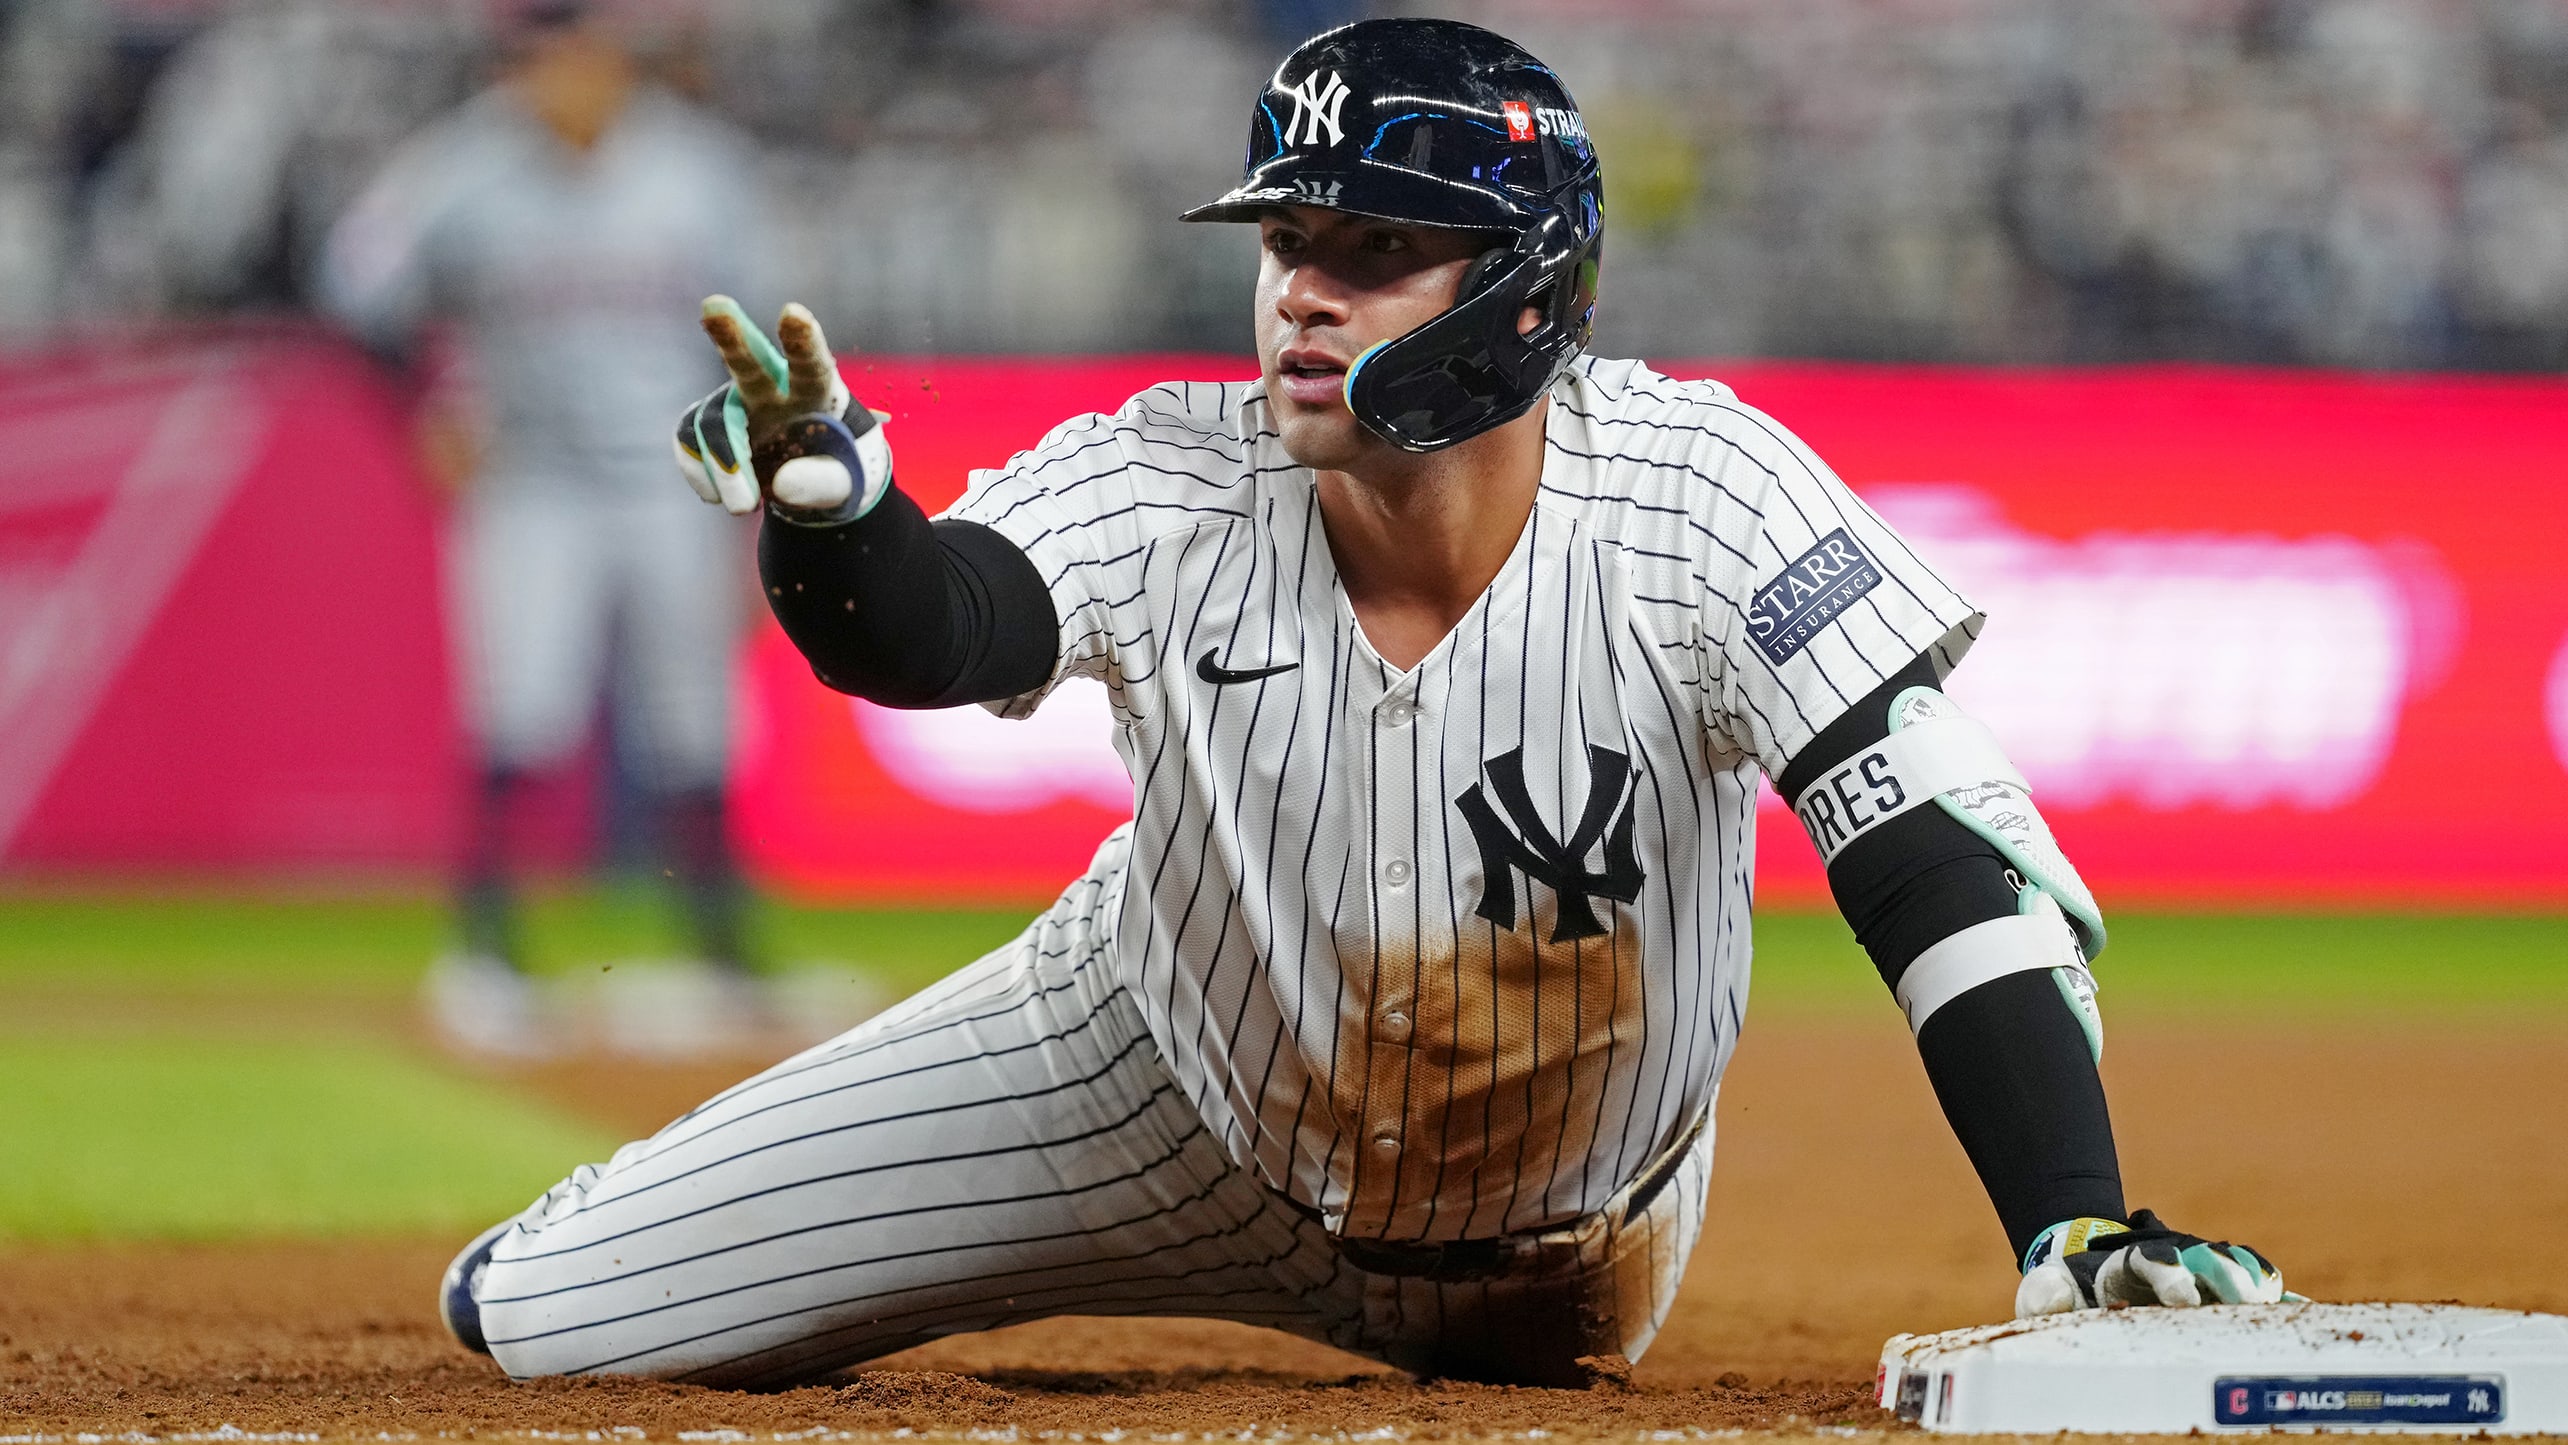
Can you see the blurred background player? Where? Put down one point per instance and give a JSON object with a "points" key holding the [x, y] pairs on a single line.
{"points": [[556, 229]]}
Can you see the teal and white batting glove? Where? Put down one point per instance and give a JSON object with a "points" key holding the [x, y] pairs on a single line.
{"points": [[783, 429], [2085, 1264]]}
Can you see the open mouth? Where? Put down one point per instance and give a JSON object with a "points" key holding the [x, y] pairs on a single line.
{"points": [[1312, 378], [1312, 364]]}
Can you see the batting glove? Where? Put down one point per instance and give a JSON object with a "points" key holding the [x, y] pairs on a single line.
{"points": [[783, 429], [2086, 1264]]}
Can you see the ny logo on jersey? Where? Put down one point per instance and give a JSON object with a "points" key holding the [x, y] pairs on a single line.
{"points": [[1317, 98], [1530, 847]]}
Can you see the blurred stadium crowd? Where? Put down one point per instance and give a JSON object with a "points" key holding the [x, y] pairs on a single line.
{"points": [[2377, 183]]}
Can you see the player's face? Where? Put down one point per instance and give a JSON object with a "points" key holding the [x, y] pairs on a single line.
{"points": [[577, 81], [1330, 285]]}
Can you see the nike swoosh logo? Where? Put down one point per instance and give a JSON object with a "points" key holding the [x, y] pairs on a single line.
{"points": [[1223, 676]]}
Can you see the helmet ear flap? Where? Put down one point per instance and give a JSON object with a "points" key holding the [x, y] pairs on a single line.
{"points": [[1484, 273], [1469, 369], [1479, 365]]}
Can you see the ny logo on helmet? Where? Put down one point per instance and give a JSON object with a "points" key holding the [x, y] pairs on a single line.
{"points": [[1529, 847], [1317, 98]]}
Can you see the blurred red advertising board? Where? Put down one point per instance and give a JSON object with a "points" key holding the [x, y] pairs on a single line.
{"points": [[219, 640], [2255, 636]]}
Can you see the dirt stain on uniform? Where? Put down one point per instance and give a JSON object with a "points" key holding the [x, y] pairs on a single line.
{"points": [[1498, 1081]]}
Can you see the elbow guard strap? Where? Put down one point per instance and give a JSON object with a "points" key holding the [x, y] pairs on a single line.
{"points": [[2038, 938]]}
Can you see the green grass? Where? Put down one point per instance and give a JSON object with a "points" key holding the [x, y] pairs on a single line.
{"points": [[197, 1064], [2233, 964], [189, 1138], [193, 938], [201, 1065], [197, 941]]}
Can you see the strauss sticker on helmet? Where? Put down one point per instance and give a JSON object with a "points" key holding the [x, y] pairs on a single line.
{"points": [[1520, 119]]}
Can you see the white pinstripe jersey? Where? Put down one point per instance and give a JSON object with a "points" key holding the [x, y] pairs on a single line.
{"points": [[1457, 951]]}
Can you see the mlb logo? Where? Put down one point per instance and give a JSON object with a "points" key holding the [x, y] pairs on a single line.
{"points": [[1520, 119]]}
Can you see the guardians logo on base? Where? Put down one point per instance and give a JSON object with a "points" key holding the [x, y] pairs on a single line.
{"points": [[1821, 583], [2359, 1399]]}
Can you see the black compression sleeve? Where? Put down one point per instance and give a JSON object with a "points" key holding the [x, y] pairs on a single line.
{"points": [[908, 613], [2011, 1068], [2009, 1062]]}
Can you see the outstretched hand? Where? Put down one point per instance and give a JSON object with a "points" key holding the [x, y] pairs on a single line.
{"points": [[742, 443]]}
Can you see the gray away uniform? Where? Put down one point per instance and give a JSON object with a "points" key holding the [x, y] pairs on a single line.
{"points": [[572, 283]]}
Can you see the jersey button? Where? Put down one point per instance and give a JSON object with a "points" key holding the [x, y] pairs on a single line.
{"points": [[1386, 1147], [1395, 1028], [1396, 872], [1399, 715]]}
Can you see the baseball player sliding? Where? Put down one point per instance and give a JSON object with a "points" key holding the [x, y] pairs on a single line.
{"points": [[1445, 660]]}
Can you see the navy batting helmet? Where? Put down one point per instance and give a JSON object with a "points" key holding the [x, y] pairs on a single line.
{"points": [[1438, 123]]}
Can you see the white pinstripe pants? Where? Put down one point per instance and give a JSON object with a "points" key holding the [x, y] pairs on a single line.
{"points": [[1003, 1147]]}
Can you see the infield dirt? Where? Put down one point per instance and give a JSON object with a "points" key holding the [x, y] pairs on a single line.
{"points": [[2375, 1158]]}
